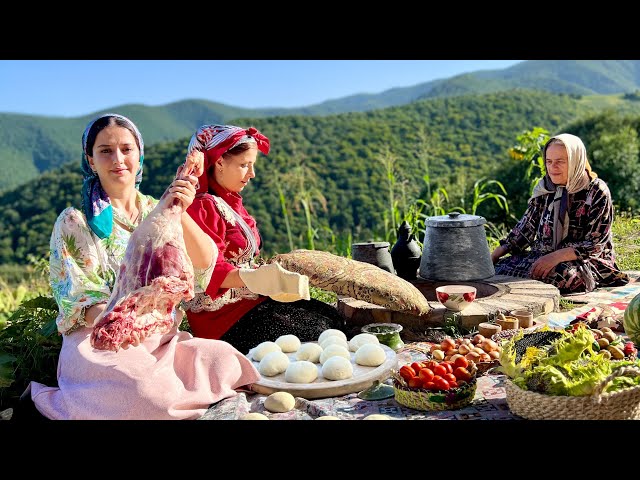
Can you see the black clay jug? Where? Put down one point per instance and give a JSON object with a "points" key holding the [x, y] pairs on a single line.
{"points": [[406, 253]]}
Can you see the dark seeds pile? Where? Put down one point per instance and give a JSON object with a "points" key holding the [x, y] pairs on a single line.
{"points": [[306, 319], [534, 339]]}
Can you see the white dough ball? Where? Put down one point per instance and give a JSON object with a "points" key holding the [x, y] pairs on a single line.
{"points": [[370, 355], [358, 340], [337, 368], [254, 416], [327, 417], [261, 350], [273, 363], [301, 372], [329, 332], [333, 350], [280, 402], [288, 343], [310, 352], [334, 340], [377, 416]]}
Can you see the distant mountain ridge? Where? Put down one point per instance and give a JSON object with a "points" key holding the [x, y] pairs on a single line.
{"points": [[31, 145]]}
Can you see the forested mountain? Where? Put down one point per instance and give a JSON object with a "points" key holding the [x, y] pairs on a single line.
{"points": [[31, 145], [337, 164]]}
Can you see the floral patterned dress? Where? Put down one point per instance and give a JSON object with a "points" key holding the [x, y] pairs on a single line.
{"points": [[590, 219], [169, 376]]}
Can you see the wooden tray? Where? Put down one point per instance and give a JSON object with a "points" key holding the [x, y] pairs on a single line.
{"points": [[363, 377]]}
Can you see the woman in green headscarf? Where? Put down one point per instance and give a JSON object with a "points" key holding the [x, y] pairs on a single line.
{"points": [[564, 237]]}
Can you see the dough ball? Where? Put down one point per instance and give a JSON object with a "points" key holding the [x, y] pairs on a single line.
{"points": [[337, 368], [358, 340], [254, 416], [327, 417], [329, 332], [333, 350], [288, 343], [377, 416], [261, 350], [273, 363], [310, 352], [334, 340], [370, 355], [301, 372], [280, 402]]}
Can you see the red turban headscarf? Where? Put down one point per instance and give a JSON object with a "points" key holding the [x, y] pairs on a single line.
{"points": [[215, 140]]}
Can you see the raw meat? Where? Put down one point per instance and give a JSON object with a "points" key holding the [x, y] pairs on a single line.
{"points": [[155, 275]]}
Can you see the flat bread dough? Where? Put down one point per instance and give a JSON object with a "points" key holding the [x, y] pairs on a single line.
{"points": [[334, 340], [273, 363], [333, 350], [280, 402], [253, 416], [337, 368], [331, 331], [310, 352], [288, 343], [370, 355], [358, 340], [301, 371], [258, 352]]}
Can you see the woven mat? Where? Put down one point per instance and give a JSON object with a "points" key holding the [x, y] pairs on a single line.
{"points": [[611, 301], [489, 403]]}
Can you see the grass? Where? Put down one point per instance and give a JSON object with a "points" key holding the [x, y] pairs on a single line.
{"points": [[626, 241]]}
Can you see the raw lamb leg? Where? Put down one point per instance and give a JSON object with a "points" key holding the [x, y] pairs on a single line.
{"points": [[155, 275]]}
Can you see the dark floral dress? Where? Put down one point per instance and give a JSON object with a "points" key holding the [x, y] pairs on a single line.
{"points": [[590, 219]]}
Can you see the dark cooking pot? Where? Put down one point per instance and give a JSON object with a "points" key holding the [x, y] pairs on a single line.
{"points": [[455, 248]]}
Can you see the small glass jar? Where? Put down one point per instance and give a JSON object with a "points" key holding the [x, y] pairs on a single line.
{"points": [[387, 333]]}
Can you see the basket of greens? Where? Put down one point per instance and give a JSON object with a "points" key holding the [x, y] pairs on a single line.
{"points": [[561, 375]]}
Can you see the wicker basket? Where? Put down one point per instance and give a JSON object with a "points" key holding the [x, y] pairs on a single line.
{"points": [[620, 405], [420, 399]]}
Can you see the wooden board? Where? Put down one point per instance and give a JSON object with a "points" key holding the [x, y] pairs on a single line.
{"points": [[363, 377]]}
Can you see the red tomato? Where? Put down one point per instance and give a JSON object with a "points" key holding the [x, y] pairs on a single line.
{"points": [[426, 375], [414, 382], [406, 372], [440, 370], [430, 364], [416, 366], [462, 373], [441, 383], [448, 365], [461, 362], [429, 386], [453, 384], [450, 377]]}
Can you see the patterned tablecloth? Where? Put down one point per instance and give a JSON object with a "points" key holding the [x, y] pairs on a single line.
{"points": [[489, 403]]}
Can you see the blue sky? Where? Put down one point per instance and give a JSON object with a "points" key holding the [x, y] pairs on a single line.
{"points": [[69, 88]]}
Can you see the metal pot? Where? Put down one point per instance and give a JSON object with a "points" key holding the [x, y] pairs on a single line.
{"points": [[455, 248], [375, 253]]}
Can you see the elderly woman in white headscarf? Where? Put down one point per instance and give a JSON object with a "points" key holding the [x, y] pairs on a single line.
{"points": [[564, 237]]}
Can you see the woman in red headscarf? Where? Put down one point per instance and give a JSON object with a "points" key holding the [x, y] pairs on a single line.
{"points": [[244, 305]]}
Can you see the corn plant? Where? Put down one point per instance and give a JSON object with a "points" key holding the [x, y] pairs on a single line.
{"points": [[529, 149]]}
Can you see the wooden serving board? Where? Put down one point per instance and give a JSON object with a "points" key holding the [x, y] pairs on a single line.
{"points": [[363, 377]]}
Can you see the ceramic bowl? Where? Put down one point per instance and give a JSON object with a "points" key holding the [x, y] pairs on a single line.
{"points": [[456, 297]]}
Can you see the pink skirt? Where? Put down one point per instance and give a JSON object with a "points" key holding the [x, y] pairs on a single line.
{"points": [[171, 376]]}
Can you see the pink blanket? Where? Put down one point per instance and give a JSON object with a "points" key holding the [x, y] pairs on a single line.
{"points": [[171, 376]]}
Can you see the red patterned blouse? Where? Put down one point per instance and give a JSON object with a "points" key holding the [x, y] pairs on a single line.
{"points": [[212, 313]]}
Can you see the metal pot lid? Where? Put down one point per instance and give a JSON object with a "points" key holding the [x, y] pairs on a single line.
{"points": [[371, 244], [455, 219]]}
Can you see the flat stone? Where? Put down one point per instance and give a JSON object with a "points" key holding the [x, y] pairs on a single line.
{"points": [[500, 293]]}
